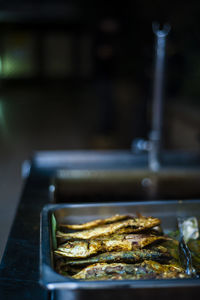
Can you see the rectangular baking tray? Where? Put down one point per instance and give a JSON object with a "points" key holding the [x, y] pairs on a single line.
{"points": [[68, 288]]}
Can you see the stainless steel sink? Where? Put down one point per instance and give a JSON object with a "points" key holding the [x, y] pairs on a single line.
{"points": [[112, 176]]}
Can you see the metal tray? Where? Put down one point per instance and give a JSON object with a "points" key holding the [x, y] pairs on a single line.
{"points": [[67, 288]]}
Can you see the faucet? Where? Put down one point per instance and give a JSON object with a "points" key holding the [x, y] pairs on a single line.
{"points": [[157, 111], [153, 145]]}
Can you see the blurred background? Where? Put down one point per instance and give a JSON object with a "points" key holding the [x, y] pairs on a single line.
{"points": [[79, 75]]}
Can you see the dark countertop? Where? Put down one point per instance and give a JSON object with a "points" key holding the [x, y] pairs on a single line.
{"points": [[19, 270]]}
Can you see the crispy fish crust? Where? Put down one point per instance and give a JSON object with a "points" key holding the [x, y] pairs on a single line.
{"points": [[118, 271], [96, 223], [121, 256], [81, 249], [133, 225]]}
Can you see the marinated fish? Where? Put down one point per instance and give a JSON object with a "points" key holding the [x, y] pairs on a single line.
{"points": [[66, 270], [118, 271], [122, 247], [96, 223], [194, 246], [81, 249], [121, 256], [133, 225], [172, 247]]}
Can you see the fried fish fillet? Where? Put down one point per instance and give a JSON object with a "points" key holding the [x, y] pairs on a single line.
{"points": [[133, 225], [81, 249], [96, 223], [121, 256], [66, 270], [194, 246], [118, 271], [173, 248]]}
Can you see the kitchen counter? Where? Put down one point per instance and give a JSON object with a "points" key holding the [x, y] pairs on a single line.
{"points": [[19, 269]]}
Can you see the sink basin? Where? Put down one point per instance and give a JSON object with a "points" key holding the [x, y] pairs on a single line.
{"points": [[117, 176]]}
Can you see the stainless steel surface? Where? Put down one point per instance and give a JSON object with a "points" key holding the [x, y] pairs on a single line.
{"points": [[112, 159], [120, 175], [153, 146], [135, 184], [139, 145], [157, 114], [67, 288]]}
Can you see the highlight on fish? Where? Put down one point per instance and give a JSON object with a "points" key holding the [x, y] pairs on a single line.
{"points": [[133, 225], [96, 223]]}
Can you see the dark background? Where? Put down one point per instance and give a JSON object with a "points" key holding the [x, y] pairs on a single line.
{"points": [[79, 75], [52, 64]]}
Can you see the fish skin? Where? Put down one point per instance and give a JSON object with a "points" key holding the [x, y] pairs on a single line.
{"points": [[118, 271], [172, 246], [121, 256], [82, 249], [131, 242], [133, 225], [66, 270], [194, 246], [96, 223], [78, 249]]}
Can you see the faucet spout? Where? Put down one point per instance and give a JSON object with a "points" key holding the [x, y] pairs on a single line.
{"points": [[157, 111]]}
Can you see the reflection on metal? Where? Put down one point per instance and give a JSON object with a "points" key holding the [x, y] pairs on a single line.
{"points": [[139, 145], [25, 169], [52, 188], [52, 192], [146, 182]]}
